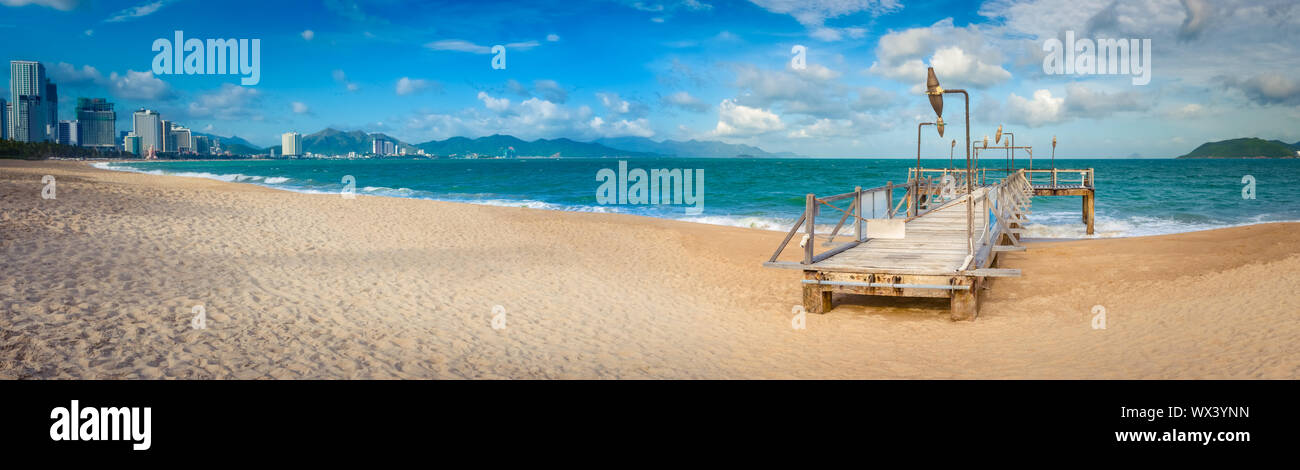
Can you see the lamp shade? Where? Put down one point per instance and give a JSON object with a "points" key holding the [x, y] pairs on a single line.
{"points": [[997, 138], [940, 126], [1053, 141], [936, 93]]}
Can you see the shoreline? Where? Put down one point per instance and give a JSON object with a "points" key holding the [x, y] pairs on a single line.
{"points": [[101, 283], [773, 225]]}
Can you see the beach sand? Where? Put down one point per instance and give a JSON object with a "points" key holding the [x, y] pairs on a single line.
{"points": [[101, 283]]}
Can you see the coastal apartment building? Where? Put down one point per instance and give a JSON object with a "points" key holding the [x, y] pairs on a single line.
{"points": [[147, 126], [96, 123]]}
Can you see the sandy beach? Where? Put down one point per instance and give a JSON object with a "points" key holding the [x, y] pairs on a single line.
{"points": [[101, 283]]}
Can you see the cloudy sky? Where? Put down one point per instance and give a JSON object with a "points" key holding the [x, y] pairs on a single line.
{"points": [[702, 69]]}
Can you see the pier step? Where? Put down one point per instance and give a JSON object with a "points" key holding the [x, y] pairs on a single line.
{"points": [[1008, 248]]}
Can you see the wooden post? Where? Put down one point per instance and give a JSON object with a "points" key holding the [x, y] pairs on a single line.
{"points": [[889, 199], [816, 298], [911, 197], [810, 208], [1089, 211], [964, 304], [857, 201]]}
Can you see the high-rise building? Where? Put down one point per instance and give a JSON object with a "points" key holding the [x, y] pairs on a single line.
{"points": [[291, 144], [4, 119], [382, 147], [67, 133], [147, 126], [168, 145], [131, 143], [201, 145], [96, 123], [27, 89], [52, 109], [179, 139]]}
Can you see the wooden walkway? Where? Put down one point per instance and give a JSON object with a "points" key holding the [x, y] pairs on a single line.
{"points": [[935, 243], [946, 249]]}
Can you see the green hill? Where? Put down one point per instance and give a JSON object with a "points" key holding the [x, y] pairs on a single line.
{"points": [[235, 144], [497, 145], [1249, 147], [689, 148]]}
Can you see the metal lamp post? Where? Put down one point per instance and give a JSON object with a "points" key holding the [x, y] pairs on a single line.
{"points": [[935, 93]]}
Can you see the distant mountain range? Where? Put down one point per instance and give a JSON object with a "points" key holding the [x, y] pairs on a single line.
{"points": [[234, 144], [689, 148], [498, 144], [1248, 147], [336, 142]]}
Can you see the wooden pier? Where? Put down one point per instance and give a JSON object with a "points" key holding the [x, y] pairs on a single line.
{"points": [[944, 243]]}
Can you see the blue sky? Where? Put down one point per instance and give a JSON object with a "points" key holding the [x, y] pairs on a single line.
{"points": [[704, 69]]}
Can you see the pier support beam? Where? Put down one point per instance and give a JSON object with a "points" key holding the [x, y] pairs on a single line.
{"points": [[816, 299], [1088, 211], [964, 303]]}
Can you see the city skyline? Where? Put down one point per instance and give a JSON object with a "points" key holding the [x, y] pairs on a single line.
{"points": [[709, 70]]}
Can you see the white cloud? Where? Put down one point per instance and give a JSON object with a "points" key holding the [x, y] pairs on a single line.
{"points": [[813, 91], [1082, 101], [552, 37], [341, 77], [1041, 110], [620, 106], [742, 121], [408, 86], [230, 102], [138, 11], [66, 74], [1188, 111], [139, 86], [63, 5], [954, 62], [461, 45], [300, 108], [813, 14], [495, 104], [308, 34], [621, 128], [550, 90], [685, 101], [963, 57], [1267, 88]]}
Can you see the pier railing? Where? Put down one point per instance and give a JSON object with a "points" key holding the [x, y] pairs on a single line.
{"points": [[863, 205], [1056, 177], [1045, 177], [1000, 204]]}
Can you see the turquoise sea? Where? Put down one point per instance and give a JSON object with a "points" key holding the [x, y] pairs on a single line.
{"points": [[1134, 196]]}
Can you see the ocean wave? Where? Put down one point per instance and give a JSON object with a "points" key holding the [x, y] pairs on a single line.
{"points": [[1070, 225], [227, 177], [1046, 223]]}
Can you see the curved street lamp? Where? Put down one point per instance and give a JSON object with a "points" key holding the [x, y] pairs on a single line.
{"points": [[935, 93], [916, 181], [1011, 151]]}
